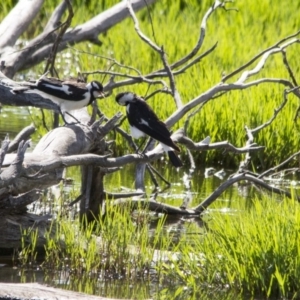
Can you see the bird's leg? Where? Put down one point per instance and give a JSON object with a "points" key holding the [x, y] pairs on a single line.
{"points": [[43, 76], [66, 122], [140, 146], [147, 145]]}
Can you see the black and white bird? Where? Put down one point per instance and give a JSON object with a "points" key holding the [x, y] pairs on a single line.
{"points": [[68, 95], [143, 121]]}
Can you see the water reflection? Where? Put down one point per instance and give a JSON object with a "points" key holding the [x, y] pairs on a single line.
{"points": [[13, 120]]}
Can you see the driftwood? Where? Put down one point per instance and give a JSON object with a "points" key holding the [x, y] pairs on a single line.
{"points": [[24, 176], [39, 291]]}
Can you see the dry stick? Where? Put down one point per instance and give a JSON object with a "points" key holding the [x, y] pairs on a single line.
{"points": [[24, 134], [238, 85], [114, 196], [196, 60], [199, 209], [200, 41], [113, 60], [282, 173], [174, 90], [291, 73], [159, 91], [258, 56], [225, 145], [159, 50], [246, 74], [137, 28], [287, 65], [142, 78], [51, 60], [267, 172], [4, 148], [276, 112], [211, 198]]}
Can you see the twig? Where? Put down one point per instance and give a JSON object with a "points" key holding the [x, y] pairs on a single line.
{"points": [[4, 148], [138, 31], [181, 138], [51, 60], [287, 65], [276, 112], [200, 41], [258, 56], [174, 90], [267, 172], [211, 198], [161, 52], [24, 134]]}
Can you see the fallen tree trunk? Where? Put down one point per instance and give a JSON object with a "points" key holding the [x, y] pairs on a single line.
{"points": [[24, 176]]}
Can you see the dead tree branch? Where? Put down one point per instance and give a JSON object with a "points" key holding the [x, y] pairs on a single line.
{"points": [[41, 46]]}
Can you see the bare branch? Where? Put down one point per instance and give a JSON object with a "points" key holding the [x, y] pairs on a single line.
{"points": [[258, 56], [180, 137], [51, 59], [219, 88], [4, 148], [200, 41], [271, 170], [17, 22], [276, 112], [88, 31], [210, 199], [23, 135], [138, 30]]}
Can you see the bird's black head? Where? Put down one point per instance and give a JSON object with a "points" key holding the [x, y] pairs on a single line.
{"points": [[96, 89], [125, 98]]}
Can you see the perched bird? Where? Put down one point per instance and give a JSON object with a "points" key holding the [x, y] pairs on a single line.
{"points": [[143, 121], [68, 95]]}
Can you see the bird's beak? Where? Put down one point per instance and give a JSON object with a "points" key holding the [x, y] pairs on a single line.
{"points": [[101, 95]]}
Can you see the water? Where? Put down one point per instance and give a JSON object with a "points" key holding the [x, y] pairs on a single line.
{"points": [[13, 120]]}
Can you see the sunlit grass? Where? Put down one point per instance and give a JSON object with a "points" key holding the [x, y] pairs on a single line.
{"points": [[248, 249], [252, 251]]}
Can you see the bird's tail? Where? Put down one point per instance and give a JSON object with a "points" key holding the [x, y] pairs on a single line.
{"points": [[174, 159]]}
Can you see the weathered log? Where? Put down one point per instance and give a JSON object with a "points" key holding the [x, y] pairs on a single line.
{"points": [[39, 291], [24, 175]]}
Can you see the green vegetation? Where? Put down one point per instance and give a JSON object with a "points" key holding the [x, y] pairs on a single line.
{"points": [[248, 250], [254, 249]]}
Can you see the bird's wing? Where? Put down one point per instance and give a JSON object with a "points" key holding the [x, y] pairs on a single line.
{"points": [[66, 90], [143, 118]]}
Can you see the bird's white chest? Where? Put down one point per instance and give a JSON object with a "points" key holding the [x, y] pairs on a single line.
{"points": [[136, 133]]}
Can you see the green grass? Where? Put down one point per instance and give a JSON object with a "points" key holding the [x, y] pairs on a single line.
{"points": [[250, 250]]}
